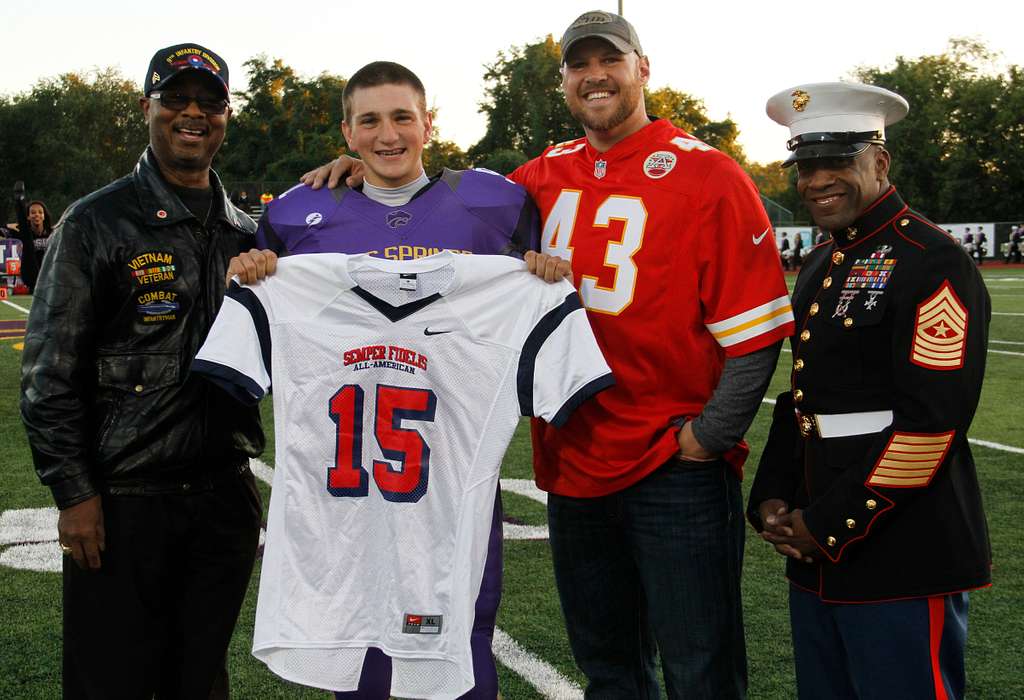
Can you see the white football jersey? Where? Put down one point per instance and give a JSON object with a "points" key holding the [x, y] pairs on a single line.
{"points": [[397, 387]]}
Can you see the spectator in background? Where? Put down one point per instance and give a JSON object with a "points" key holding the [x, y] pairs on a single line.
{"points": [[968, 242], [34, 229], [785, 252], [980, 241], [1016, 239], [798, 247], [241, 200], [820, 238]]}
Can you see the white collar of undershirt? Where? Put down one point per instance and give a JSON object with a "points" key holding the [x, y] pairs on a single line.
{"points": [[395, 196]]}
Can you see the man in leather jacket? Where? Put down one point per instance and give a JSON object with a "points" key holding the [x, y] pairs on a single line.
{"points": [[159, 515]]}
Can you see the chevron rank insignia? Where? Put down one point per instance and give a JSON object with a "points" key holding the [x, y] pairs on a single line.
{"points": [[940, 332], [910, 460]]}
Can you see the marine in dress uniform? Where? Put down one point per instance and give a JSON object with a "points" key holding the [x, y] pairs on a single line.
{"points": [[867, 482]]}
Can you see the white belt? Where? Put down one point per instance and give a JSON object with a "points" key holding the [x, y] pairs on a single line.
{"points": [[833, 425]]}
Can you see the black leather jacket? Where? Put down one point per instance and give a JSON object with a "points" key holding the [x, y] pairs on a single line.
{"points": [[127, 293]]}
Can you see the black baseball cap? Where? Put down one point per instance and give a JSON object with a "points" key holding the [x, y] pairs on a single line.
{"points": [[168, 63], [602, 25]]}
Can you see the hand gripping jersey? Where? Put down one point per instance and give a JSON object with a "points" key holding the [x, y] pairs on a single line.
{"points": [[397, 387], [676, 264], [465, 211]]}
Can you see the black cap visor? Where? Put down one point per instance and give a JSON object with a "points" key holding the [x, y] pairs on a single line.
{"points": [[212, 79], [215, 81], [830, 145]]}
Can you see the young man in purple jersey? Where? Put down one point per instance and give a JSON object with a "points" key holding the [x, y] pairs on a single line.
{"points": [[400, 213]]}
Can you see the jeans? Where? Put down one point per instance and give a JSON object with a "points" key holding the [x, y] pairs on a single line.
{"points": [[655, 566]]}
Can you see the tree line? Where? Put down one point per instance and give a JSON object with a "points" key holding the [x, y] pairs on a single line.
{"points": [[958, 156]]}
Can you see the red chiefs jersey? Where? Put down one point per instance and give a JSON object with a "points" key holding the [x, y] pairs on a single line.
{"points": [[675, 261]]}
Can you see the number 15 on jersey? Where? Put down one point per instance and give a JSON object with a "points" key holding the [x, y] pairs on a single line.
{"points": [[392, 404]]}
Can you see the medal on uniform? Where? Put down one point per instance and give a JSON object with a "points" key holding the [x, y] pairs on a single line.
{"points": [[600, 168], [845, 297]]}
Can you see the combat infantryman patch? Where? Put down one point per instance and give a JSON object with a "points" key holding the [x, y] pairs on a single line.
{"points": [[940, 332]]}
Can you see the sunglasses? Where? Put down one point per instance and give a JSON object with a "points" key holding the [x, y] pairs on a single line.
{"points": [[178, 101]]}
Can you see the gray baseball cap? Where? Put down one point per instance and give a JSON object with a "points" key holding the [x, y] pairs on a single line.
{"points": [[602, 25]]}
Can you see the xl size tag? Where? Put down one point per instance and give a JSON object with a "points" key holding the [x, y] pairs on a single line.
{"points": [[422, 624]]}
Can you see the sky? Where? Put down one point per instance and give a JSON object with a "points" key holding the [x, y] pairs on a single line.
{"points": [[732, 55]]}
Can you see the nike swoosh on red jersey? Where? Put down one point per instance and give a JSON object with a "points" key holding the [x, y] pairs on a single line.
{"points": [[757, 239]]}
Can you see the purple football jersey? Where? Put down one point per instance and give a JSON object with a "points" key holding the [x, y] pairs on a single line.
{"points": [[464, 211]]}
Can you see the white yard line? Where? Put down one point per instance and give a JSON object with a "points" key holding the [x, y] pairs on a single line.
{"points": [[1006, 342], [545, 678], [525, 487], [22, 309], [996, 446], [1005, 313]]}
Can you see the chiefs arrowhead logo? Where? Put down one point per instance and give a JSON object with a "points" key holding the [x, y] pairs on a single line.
{"points": [[940, 333]]}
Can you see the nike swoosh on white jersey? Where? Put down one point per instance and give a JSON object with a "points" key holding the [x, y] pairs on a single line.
{"points": [[758, 239]]}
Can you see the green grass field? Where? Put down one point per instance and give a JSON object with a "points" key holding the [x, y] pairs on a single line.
{"points": [[30, 637]]}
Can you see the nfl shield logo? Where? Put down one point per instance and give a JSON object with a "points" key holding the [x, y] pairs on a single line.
{"points": [[600, 168]]}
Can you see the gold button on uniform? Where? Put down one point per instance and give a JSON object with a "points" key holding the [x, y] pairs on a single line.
{"points": [[851, 234], [847, 322], [851, 523], [871, 504], [831, 541], [798, 395], [904, 222], [827, 282], [138, 388], [814, 309], [805, 335], [798, 365], [837, 258]]}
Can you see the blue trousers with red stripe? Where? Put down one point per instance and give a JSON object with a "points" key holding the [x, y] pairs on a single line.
{"points": [[907, 649]]}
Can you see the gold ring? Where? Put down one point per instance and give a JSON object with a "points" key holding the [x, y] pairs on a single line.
{"points": [[65, 548]]}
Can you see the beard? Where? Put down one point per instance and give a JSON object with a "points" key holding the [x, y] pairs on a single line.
{"points": [[628, 98]]}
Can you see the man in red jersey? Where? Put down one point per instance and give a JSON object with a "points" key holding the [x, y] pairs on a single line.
{"points": [[645, 513]]}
